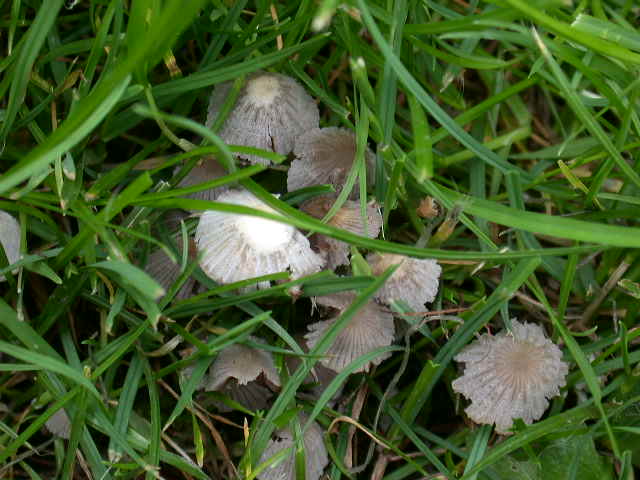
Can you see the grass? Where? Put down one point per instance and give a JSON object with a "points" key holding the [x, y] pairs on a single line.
{"points": [[520, 119]]}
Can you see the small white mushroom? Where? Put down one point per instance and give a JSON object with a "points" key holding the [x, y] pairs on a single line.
{"points": [[240, 247], [415, 281], [9, 238], [59, 424], [510, 375], [315, 454], [326, 155], [370, 328], [348, 218], [271, 111], [245, 374]]}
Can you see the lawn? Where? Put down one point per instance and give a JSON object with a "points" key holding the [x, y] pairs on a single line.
{"points": [[318, 239]]}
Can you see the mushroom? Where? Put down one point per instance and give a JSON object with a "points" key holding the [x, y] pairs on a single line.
{"points": [[415, 281], [315, 454], [510, 375], [205, 170], [348, 218], [165, 271], [9, 238], [271, 111], [245, 374], [239, 247], [326, 155], [370, 328], [59, 424]]}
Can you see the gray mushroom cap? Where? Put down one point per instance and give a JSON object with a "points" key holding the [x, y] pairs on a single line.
{"points": [[315, 454], [271, 112], [245, 374], [59, 424], [205, 170], [348, 218], [370, 328], [326, 155], [415, 280], [510, 375], [9, 238], [239, 247], [165, 271]]}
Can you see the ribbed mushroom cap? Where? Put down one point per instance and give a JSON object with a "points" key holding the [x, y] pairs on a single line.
{"points": [[367, 330], [205, 170], [510, 375], [271, 111], [415, 281], [244, 373], [315, 454], [347, 218], [59, 424], [239, 247], [166, 272], [326, 155], [9, 238]]}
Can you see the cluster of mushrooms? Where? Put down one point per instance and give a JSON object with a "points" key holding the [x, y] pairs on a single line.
{"points": [[506, 376]]}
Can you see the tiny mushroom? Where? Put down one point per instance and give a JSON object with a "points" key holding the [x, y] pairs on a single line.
{"points": [[246, 374], [165, 271], [415, 281], [59, 424], [205, 170], [271, 111], [510, 375], [370, 328], [239, 247], [315, 454], [9, 238], [326, 155], [348, 218]]}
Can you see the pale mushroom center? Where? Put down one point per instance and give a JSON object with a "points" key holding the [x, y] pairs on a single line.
{"points": [[265, 235], [521, 360], [263, 90]]}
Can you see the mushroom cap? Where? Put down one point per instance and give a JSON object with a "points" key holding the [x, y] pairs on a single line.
{"points": [[415, 280], [271, 111], [166, 272], [59, 424], [244, 365], [9, 238], [315, 454], [370, 328], [205, 170], [239, 247], [348, 218], [510, 375], [326, 155]]}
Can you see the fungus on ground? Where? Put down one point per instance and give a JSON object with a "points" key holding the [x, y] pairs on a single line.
{"points": [[348, 218], [9, 238], [59, 424], [205, 170], [415, 281], [315, 454], [239, 247], [370, 328], [165, 271], [510, 375], [326, 155], [245, 374], [271, 111]]}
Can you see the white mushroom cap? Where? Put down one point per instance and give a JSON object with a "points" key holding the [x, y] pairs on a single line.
{"points": [[370, 328], [510, 375], [347, 218], [239, 247], [238, 370], [9, 238], [205, 170], [271, 111], [59, 424], [326, 155], [415, 281], [315, 454]]}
